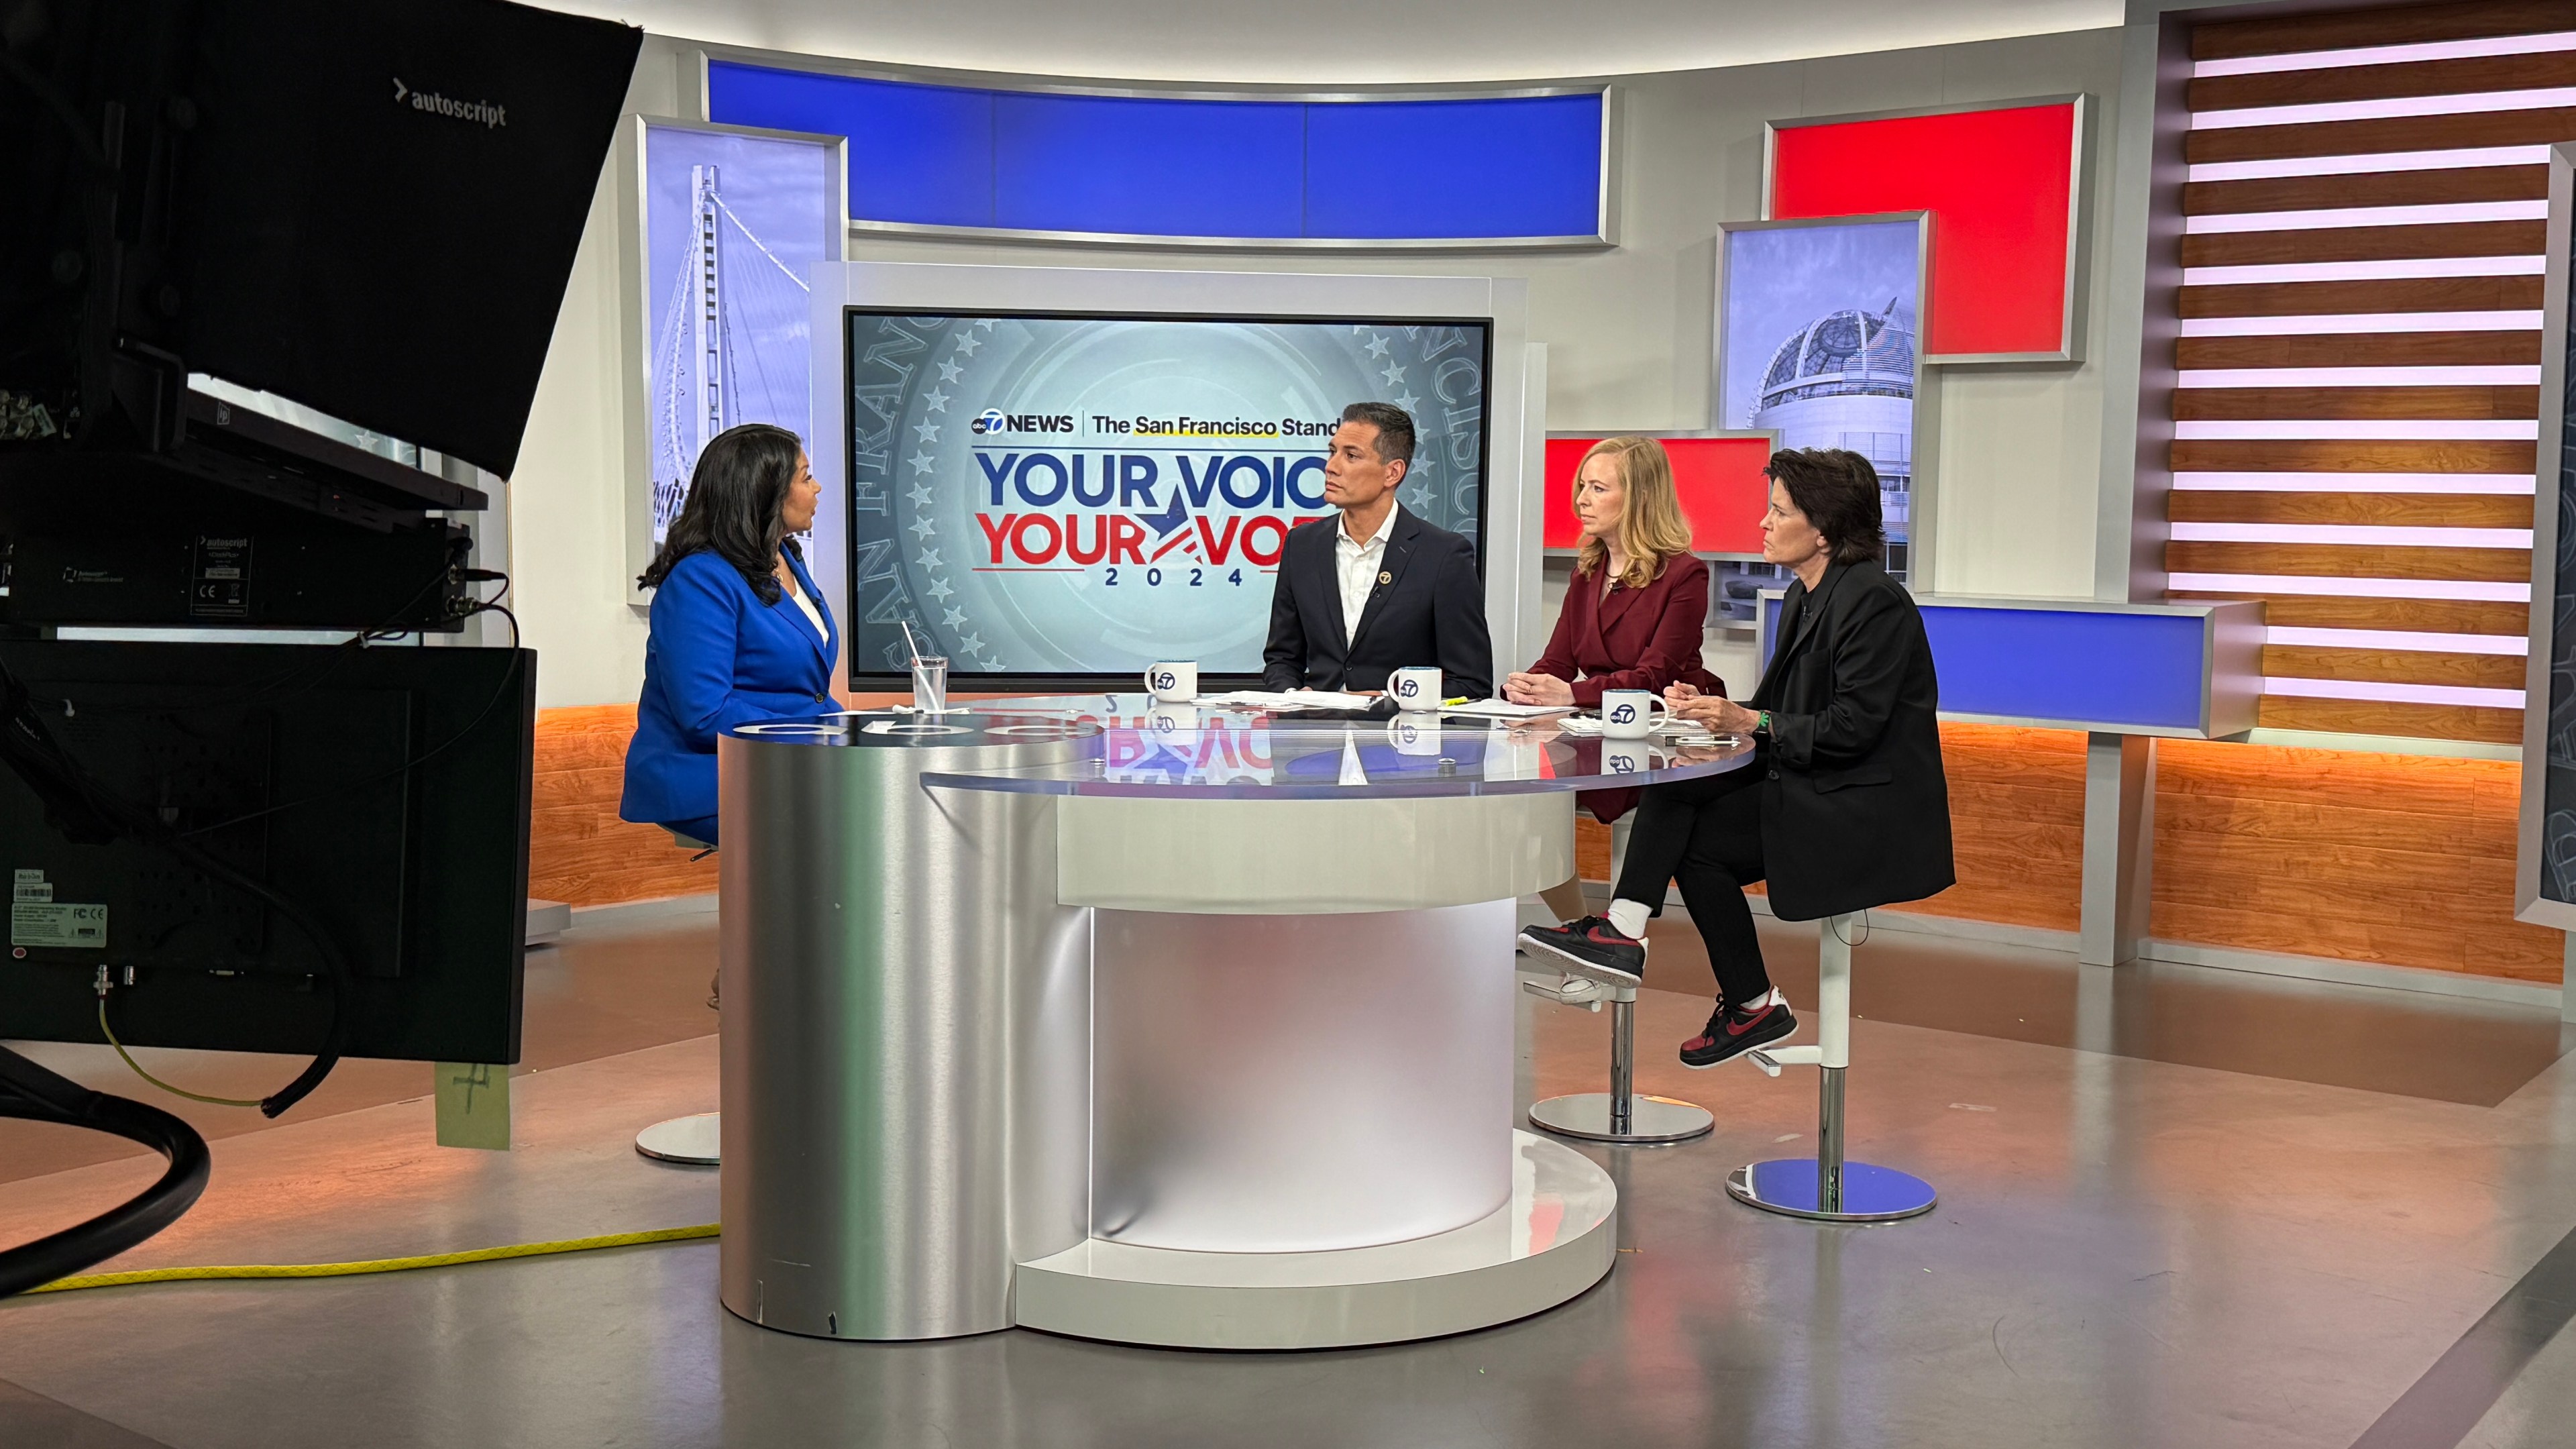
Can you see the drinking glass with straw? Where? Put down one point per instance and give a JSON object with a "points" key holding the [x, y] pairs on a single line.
{"points": [[929, 676]]}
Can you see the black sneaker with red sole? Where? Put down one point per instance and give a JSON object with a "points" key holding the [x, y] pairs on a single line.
{"points": [[1593, 948], [1731, 1033]]}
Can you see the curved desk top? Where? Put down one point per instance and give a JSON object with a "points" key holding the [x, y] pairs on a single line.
{"points": [[1228, 810], [1210, 751]]}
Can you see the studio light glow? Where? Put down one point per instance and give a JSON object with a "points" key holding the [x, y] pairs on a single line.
{"points": [[2473, 590], [2395, 693], [2442, 214], [2405, 429], [2361, 322], [2450, 160], [2407, 639], [2388, 54], [2491, 484], [2497, 375]]}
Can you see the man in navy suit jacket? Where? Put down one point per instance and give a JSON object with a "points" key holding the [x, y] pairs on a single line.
{"points": [[1379, 589]]}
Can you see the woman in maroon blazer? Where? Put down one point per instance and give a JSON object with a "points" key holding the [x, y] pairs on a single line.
{"points": [[1633, 610]]}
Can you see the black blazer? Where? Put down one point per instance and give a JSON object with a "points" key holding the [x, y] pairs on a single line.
{"points": [[1428, 608], [1855, 809]]}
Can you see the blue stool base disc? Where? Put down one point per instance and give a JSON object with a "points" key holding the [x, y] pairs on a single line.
{"points": [[1870, 1194]]}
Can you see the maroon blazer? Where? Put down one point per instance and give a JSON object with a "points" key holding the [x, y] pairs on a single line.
{"points": [[1630, 639]]}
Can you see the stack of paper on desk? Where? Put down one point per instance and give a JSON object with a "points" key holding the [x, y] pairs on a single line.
{"points": [[1504, 709], [1290, 700]]}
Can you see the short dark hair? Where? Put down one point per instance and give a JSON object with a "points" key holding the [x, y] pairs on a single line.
{"points": [[1838, 491], [1394, 429], [736, 508]]}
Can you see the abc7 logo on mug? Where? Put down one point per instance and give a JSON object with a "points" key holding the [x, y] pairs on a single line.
{"points": [[1623, 714], [1407, 688], [1165, 679]]}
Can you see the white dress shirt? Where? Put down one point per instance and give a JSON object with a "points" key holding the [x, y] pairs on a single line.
{"points": [[1360, 564], [813, 615]]}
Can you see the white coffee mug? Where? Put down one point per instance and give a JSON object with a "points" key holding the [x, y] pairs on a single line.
{"points": [[1172, 719], [1173, 681], [1417, 687], [1629, 714], [1414, 736]]}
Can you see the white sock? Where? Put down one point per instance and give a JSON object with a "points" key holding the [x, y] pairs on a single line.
{"points": [[1629, 918], [1771, 997]]}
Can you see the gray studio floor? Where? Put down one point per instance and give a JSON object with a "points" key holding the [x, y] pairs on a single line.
{"points": [[2248, 1212]]}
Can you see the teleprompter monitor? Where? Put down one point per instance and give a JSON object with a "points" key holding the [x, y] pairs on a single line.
{"points": [[383, 791], [1073, 496]]}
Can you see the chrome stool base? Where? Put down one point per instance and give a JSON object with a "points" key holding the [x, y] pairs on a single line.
{"points": [[1869, 1194], [1652, 1121], [1621, 1114]]}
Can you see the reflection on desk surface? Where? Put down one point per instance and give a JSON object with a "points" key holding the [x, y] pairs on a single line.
{"points": [[1219, 749]]}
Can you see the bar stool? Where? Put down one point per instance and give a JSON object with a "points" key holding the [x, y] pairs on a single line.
{"points": [[1824, 1187], [1617, 1115], [692, 1141]]}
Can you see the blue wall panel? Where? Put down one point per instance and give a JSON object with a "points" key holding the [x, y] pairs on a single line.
{"points": [[2132, 669], [1523, 166], [927, 155], [1150, 167], [2078, 665], [918, 154]]}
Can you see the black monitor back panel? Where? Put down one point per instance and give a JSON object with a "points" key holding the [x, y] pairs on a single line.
{"points": [[289, 764]]}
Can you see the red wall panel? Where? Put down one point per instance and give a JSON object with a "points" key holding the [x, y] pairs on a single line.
{"points": [[1719, 480], [1998, 184]]}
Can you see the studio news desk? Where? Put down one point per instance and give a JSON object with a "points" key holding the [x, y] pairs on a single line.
{"points": [[1190, 1028]]}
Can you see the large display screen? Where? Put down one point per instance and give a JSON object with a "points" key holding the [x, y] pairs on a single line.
{"points": [[1052, 495]]}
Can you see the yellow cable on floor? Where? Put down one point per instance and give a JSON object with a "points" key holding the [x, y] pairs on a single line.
{"points": [[378, 1265]]}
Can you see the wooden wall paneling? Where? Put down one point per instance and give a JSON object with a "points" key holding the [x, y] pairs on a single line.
{"points": [[1591, 848], [2345, 30], [578, 850], [2363, 349], [2399, 860], [2353, 455], [2393, 666], [2387, 510], [2383, 134], [2326, 611], [2367, 243], [2390, 294], [2374, 858], [2351, 561], [2456, 76], [2474, 723], [2506, 402], [2449, 185]]}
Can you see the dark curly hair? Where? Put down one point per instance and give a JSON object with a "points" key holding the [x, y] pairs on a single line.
{"points": [[1838, 491], [737, 507]]}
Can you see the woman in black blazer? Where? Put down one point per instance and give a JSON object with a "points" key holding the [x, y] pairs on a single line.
{"points": [[1844, 806]]}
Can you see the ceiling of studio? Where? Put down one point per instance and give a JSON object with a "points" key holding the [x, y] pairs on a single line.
{"points": [[1320, 42]]}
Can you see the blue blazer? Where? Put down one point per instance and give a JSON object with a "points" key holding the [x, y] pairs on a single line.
{"points": [[717, 657]]}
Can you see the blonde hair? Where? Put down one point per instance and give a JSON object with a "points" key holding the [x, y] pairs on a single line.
{"points": [[1651, 526]]}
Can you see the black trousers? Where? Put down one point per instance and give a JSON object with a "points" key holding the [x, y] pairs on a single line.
{"points": [[1707, 834]]}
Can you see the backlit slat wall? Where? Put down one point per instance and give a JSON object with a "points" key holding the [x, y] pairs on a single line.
{"points": [[2358, 400]]}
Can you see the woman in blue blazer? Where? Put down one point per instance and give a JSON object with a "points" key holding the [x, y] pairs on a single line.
{"points": [[738, 631]]}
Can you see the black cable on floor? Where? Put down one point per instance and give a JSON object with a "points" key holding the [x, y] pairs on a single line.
{"points": [[34, 1094]]}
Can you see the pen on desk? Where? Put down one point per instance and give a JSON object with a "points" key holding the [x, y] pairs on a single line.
{"points": [[1462, 699]]}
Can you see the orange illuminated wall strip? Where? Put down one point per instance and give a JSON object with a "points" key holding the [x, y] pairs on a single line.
{"points": [[2357, 408]]}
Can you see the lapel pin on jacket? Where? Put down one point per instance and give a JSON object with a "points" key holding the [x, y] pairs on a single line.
{"points": [[1386, 578]]}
